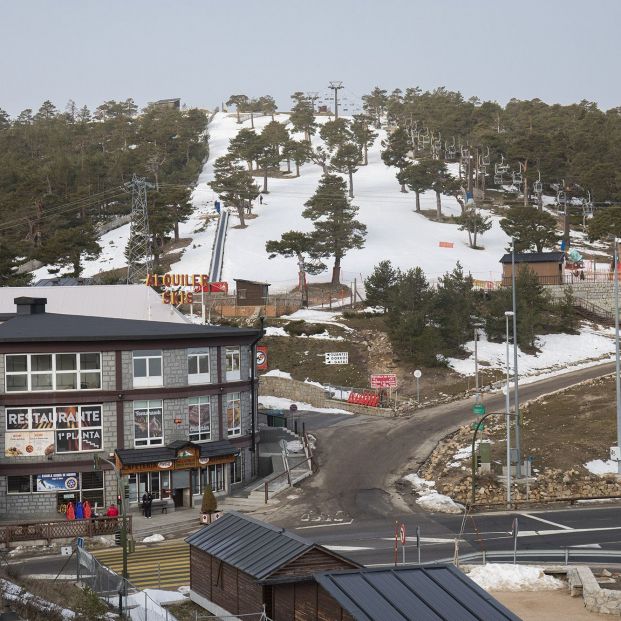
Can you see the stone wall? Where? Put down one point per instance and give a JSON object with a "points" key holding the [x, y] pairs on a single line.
{"points": [[596, 599], [314, 395], [598, 293]]}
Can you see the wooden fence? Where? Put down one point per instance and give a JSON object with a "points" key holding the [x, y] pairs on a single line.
{"points": [[60, 529]]}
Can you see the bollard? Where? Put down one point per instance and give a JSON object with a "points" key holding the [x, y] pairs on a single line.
{"points": [[566, 556], [484, 557], [158, 576]]}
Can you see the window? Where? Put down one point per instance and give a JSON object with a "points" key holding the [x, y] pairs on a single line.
{"points": [[199, 419], [237, 469], [19, 484], [214, 475], [148, 428], [232, 364], [37, 372], [158, 483], [147, 368], [41, 431], [198, 366], [233, 414]]}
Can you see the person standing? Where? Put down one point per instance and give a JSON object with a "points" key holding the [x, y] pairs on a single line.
{"points": [[147, 501]]}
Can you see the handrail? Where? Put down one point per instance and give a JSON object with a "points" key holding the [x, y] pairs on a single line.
{"points": [[594, 308], [287, 473]]}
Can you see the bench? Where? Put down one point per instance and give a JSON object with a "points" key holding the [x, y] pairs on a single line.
{"points": [[162, 503]]}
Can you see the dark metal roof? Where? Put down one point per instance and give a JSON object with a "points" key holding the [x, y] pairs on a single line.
{"points": [[131, 457], [254, 547], [435, 593], [56, 327], [534, 257], [252, 282]]}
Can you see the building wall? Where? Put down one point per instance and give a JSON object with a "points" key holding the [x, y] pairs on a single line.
{"points": [[305, 601]]}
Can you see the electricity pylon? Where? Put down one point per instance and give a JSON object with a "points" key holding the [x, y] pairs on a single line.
{"points": [[138, 249]]}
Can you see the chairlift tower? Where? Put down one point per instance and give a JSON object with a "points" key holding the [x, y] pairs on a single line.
{"points": [[336, 86], [139, 245], [312, 96]]}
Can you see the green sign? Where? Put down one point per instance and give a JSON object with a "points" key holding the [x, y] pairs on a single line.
{"points": [[478, 409], [477, 426]]}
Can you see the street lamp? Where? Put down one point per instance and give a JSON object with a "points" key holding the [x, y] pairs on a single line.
{"points": [[518, 421], [476, 327], [507, 408], [618, 358]]}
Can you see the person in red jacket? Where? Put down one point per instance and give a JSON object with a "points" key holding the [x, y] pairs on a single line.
{"points": [[112, 511]]}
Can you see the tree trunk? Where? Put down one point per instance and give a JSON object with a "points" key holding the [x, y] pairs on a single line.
{"points": [[176, 229], [265, 180], [302, 281], [240, 213], [336, 271], [297, 169], [403, 188], [366, 154], [438, 205], [288, 165], [252, 120], [417, 201], [238, 119], [525, 189], [249, 162], [351, 184]]}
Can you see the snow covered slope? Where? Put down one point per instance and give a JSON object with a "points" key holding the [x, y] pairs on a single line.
{"points": [[395, 231]]}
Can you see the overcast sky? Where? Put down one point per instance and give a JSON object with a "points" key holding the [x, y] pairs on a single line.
{"points": [[203, 51]]}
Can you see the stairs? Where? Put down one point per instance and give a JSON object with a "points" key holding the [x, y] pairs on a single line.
{"points": [[593, 312]]}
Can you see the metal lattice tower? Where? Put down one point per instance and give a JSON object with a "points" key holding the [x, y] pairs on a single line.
{"points": [[138, 249]]}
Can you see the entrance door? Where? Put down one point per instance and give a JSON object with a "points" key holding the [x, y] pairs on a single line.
{"points": [[177, 496]]}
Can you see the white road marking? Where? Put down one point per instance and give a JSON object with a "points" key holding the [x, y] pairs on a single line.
{"points": [[588, 545], [324, 525], [426, 539], [346, 548], [534, 517], [539, 533]]}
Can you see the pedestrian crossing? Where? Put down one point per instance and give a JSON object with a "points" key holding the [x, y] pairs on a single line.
{"points": [[159, 566]]}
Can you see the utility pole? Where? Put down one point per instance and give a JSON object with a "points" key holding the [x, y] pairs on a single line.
{"points": [[507, 411], [617, 355], [518, 420], [139, 245], [336, 85]]}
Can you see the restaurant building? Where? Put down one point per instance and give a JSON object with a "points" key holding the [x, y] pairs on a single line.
{"points": [[173, 405]]}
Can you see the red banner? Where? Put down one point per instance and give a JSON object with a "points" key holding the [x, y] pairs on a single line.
{"points": [[262, 357], [213, 287]]}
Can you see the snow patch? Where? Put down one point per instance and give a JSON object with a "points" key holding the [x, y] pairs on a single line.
{"points": [[277, 373], [429, 498], [153, 538], [501, 577], [599, 466], [275, 331], [279, 403]]}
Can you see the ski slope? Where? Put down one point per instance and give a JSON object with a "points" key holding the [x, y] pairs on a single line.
{"points": [[394, 230]]}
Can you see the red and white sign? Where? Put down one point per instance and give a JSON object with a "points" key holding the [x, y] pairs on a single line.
{"points": [[215, 287], [402, 537], [262, 357], [387, 380]]}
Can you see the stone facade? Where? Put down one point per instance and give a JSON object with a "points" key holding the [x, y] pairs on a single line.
{"points": [[175, 421]]}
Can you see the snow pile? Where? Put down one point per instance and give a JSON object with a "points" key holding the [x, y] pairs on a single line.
{"points": [[558, 351], [153, 539], [429, 498], [277, 373], [280, 403], [148, 604], [323, 336], [599, 466], [275, 331], [501, 577], [295, 446], [310, 315]]}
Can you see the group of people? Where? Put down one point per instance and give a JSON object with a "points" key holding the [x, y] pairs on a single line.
{"points": [[79, 511]]}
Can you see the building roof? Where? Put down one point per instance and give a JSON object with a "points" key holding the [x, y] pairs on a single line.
{"points": [[534, 257], [63, 281], [120, 301], [256, 548], [52, 327], [252, 282], [435, 593], [131, 457]]}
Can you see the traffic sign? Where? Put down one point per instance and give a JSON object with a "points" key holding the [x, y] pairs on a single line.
{"points": [[384, 380], [478, 409], [417, 373], [402, 537], [293, 408], [477, 426]]}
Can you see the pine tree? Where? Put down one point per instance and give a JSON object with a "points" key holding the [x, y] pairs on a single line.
{"points": [[379, 285], [347, 160], [418, 178], [302, 116], [209, 503], [240, 102], [245, 146], [336, 230], [301, 246], [363, 134], [335, 133], [396, 150], [234, 185], [374, 104], [530, 228], [475, 223]]}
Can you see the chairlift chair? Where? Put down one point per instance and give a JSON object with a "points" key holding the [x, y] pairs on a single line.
{"points": [[498, 179], [538, 187], [485, 159], [517, 178]]}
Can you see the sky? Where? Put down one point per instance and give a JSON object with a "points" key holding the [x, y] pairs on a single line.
{"points": [[203, 51]]}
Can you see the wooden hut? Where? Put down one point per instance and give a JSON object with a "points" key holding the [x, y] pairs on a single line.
{"points": [[548, 266]]}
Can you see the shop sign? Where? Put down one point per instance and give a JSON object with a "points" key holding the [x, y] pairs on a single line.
{"points": [[185, 453], [203, 461], [385, 380], [164, 465], [28, 443], [262, 357], [188, 285], [57, 482], [337, 357]]}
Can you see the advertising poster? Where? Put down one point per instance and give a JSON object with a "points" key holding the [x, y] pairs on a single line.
{"points": [[28, 443], [57, 482], [262, 357]]}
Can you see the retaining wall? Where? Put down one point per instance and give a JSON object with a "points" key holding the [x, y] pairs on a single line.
{"points": [[316, 396], [599, 293]]}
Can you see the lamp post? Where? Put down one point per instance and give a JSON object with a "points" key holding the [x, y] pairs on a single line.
{"points": [[507, 411], [618, 357], [476, 327], [518, 420]]}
